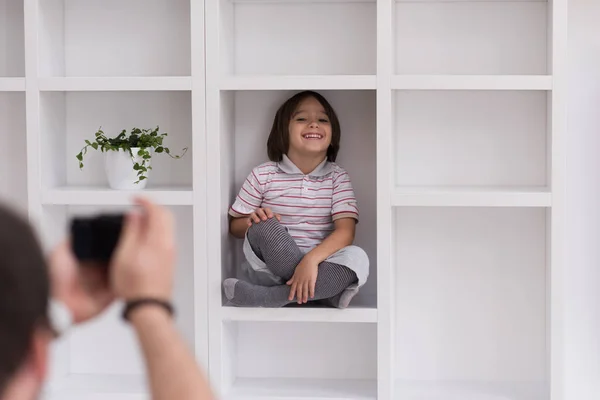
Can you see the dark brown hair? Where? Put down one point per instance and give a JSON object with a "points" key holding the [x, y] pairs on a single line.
{"points": [[24, 291], [279, 138]]}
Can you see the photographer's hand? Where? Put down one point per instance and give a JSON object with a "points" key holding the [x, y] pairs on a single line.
{"points": [[82, 288], [143, 266], [144, 261]]}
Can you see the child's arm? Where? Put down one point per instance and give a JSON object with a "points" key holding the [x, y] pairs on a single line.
{"points": [[246, 205], [342, 236], [238, 226]]}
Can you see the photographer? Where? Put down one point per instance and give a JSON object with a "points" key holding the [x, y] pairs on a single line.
{"points": [[140, 273]]}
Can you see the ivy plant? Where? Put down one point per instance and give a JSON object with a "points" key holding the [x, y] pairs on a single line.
{"points": [[144, 140]]}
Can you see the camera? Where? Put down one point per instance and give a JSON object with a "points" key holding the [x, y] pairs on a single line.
{"points": [[95, 238]]}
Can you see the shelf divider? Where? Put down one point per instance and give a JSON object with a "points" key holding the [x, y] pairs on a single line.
{"points": [[304, 314], [471, 197], [299, 82], [105, 196], [472, 82], [12, 84], [87, 84]]}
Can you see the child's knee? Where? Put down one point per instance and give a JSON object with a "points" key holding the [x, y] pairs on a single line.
{"points": [[263, 228], [359, 255]]}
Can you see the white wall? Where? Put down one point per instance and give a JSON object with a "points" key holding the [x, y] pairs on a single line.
{"points": [[583, 203]]}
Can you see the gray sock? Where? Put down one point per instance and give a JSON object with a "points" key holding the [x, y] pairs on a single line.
{"points": [[331, 280]]}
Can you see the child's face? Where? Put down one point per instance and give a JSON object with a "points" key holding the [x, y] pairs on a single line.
{"points": [[310, 129]]}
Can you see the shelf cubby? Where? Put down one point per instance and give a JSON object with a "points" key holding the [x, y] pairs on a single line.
{"points": [[304, 360], [258, 38], [496, 37], [246, 122], [13, 151], [465, 142], [474, 310], [98, 38], [102, 356], [69, 118], [12, 39]]}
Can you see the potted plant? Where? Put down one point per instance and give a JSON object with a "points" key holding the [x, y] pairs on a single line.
{"points": [[127, 157]]}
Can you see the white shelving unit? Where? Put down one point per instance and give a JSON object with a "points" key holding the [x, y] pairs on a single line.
{"points": [[68, 68], [452, 116], [13, 148]]}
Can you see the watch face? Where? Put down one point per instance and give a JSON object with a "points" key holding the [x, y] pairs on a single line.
{"points": [[60, 316]]}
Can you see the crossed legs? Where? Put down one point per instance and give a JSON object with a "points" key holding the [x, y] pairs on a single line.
{"points": [[272, 244]]}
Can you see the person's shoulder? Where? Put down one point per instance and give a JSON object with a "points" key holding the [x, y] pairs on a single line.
{"points": [[263, 170], [337, 169], [264, 167]]}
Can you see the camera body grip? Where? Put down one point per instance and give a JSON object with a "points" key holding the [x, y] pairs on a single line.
{"points": [[95, 238]]}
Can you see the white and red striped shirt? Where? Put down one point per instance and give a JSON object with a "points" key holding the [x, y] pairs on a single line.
{"points": [[308, 204]]}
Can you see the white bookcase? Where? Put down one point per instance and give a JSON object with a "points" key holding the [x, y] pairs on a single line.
{"points": [[453, 121]]}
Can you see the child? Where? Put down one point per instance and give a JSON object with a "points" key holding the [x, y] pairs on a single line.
{"points": [[297, 215]]}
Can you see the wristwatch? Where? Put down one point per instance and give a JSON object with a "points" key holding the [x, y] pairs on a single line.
{"points": [[61, 318]]}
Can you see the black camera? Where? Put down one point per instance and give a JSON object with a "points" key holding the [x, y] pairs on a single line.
{"points": [[95, 238]]}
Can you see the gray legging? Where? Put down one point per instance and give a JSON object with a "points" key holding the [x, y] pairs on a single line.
{"points": [[273, 244]]}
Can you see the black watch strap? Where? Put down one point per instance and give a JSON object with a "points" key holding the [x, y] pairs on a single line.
{"points": [[133, 304]]}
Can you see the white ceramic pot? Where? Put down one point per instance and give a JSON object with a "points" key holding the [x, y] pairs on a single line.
{"points": [[120, 172]]}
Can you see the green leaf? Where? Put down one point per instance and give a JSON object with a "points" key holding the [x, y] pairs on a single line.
{"points": [[167, 150], [159, 149], [95, 146], [80, 165], [136, 166], [142, 178], [80, 156]]}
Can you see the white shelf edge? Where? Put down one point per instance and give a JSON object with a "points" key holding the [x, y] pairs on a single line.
{"points": [[299, 82], [471, 197], [475, 390], [472, 82], [98, 387], [105, 196], [371, 1], [302, 389], [12, 84], [73, 84], [297, 314], [303, 1]]}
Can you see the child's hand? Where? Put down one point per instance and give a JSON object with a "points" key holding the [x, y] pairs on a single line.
{"points": [[303, 281], [262, 214]]}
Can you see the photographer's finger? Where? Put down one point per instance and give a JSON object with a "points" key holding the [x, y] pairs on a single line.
{"points": [[160, 222], [130, 234], [269, 213], [255, 218]]}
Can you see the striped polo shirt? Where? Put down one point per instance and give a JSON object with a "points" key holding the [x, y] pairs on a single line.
{"points": [[308, 204]]}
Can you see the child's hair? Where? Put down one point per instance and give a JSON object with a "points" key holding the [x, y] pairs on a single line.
{"points": [[279, 140]]}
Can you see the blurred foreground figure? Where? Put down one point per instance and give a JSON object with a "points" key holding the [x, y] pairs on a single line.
{"points": [[40, 298]]}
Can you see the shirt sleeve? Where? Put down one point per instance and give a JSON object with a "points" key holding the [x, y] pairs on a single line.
{"points": [[249, 198], [343, 203]]}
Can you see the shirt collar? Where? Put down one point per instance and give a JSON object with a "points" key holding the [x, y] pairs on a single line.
{"points": [[287, 166]]}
